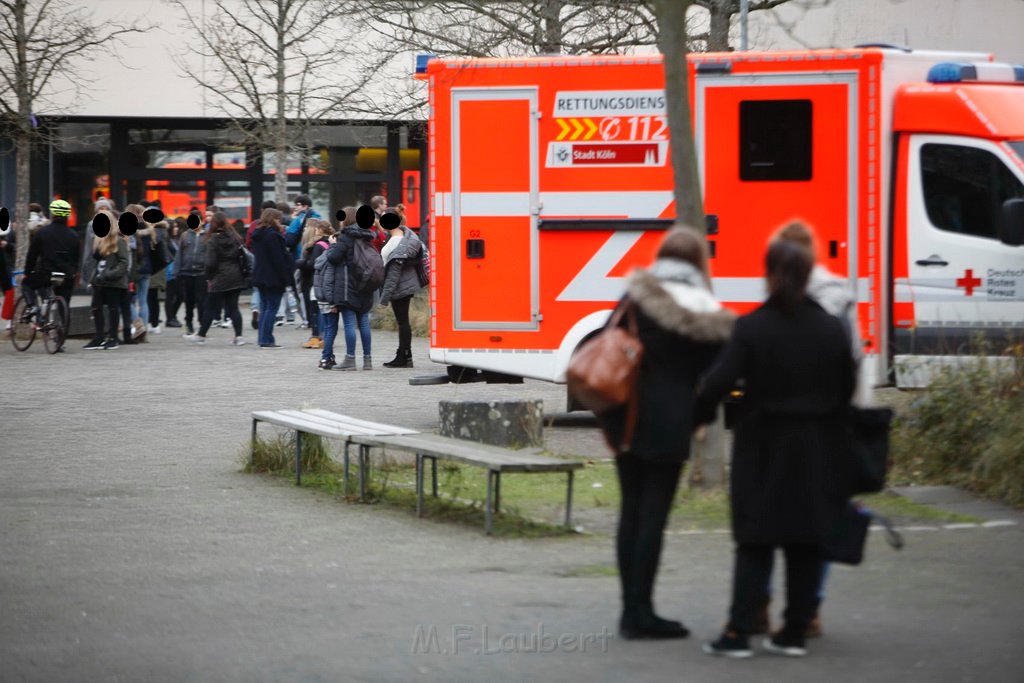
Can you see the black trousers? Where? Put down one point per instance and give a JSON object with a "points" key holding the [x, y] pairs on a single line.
{"points": [[109, 298], [215, 302], [401, 309], [193, 292], [153, 300], [648, 489], [173, 300], [752, 572]]}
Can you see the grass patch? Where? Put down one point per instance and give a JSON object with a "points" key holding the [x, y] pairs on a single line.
{"points": [[903, 510], [419, 315], [965, 430], [590, 571]]}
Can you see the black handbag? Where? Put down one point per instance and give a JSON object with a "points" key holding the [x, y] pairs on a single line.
{"points": [[845, 544], [867, 453]]}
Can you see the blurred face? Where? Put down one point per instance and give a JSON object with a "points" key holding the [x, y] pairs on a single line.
{"points": [[209, 215]]}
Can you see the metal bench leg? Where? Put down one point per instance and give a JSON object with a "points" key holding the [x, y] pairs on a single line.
{"points": [[364, 459], [346, 467], [252, 444], [568, 502], [497, 492], [419, 485], [433, 467], [488, 514], [298, 458]]}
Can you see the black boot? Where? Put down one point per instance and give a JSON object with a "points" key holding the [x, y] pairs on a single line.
{"points": [[403, 359], [637, 624]]}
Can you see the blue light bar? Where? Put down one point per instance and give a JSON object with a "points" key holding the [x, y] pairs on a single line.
{"points": [[1018, 73], [952, 72], [422, 61]]}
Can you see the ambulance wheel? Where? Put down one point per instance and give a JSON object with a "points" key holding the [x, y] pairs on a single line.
{"points": [[571, 404], [460, 375], [425, 380]]}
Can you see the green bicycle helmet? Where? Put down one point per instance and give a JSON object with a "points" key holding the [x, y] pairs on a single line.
{"points": [[59, 207]]}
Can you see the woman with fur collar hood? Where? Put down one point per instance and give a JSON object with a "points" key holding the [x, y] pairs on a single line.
{"points": [[682, 327]]}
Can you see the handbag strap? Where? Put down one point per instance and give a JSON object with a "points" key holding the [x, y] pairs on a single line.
{"points": [[633, 408]]}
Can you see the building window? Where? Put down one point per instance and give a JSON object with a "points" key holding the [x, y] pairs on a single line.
{"points": [[775, 140], [965, 187]]}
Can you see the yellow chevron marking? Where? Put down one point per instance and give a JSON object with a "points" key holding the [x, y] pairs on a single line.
{"points": [[591, 129], [579, 128], [565, 128]]}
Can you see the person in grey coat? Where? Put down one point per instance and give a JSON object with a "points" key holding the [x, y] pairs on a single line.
{"points": [[402, 254], [682, 327], [785, 485], [191, 269]]}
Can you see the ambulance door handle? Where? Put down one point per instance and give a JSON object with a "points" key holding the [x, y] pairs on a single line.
{"points": [[933, 260]]}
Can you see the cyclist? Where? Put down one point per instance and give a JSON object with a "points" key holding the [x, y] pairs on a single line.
{"points": [[53, 248]]}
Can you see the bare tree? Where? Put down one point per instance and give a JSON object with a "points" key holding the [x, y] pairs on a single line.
{"points": [[271, 67], [43, 42], [720, 14]]}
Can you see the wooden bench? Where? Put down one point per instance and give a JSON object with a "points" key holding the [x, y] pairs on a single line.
{"points": [[495, 459], [327, 424], [367, 435]]}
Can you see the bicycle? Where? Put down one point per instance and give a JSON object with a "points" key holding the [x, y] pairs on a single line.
{"points": [[51, 317]]}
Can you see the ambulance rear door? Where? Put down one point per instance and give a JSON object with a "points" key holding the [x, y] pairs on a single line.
{"points": [[494, 208]]}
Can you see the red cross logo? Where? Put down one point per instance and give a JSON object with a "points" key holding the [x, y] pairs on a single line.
{"points": [[969, 282]]}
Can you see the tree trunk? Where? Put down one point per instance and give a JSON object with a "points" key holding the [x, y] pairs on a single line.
{"points": [[718, 29], [22, 133], [21, 180], [551, 41], [672, 43], [281, 141]]}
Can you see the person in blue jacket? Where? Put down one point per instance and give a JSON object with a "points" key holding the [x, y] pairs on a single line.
{"points": [[303, 213]]}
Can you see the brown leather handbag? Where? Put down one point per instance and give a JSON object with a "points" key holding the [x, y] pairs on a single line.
{"points": [[602, 374]]}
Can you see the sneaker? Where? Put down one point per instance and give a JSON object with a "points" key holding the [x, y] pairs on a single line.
{"points": [[730, 644], [313, 343], [255, 320], [110, 344], [327, 363], [278, 322], [290, 321], [94, 345], [173, 323], [781, 644], [224, 324], [194, 338], [237, 341], [138, 330], [191, 330], [271, 346], [155, 329]]}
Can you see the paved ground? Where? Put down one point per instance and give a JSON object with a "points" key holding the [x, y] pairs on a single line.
{"points": [[133, 549]]}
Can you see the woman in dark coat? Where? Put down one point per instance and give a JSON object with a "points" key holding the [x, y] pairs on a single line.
{"points": [[798, 377], [272, 272], [682, 327], [224, 275], [353, 305]]}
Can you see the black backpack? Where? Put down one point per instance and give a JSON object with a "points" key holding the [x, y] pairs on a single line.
{"points": [[367, 267]]}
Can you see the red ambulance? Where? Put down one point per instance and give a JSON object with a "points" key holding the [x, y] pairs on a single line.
{"points": [[550, 180]]}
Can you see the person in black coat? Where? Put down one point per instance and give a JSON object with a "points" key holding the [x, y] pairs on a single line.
{"points": [[353, 305], [272, 272], [223, 269], [798, 377], [682, 327]]}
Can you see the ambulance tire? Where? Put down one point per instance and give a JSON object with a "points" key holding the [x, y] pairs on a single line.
{"points": [[571, 404], [460, 375], [426, 380]]}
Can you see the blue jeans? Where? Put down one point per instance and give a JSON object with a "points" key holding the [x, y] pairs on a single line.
{"points": [[329, 329], [351, 319], [270, 299], [140, 302]]}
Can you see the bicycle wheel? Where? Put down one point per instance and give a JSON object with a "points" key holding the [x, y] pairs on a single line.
{"points": [[55, 327], [23, 328]]}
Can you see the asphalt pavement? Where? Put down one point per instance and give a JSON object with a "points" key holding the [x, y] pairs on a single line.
{"points": [[132, 548]]}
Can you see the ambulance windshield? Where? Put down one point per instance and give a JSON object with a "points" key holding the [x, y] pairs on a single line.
{"points": [[1018, 147]]}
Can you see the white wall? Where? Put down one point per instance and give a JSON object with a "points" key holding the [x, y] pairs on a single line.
{"points": [[141, 79], [995, 26]]}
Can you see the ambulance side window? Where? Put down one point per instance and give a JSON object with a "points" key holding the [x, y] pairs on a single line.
{"points": [[964, 188], [775, 140]]}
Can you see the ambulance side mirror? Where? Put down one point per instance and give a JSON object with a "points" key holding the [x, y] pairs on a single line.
{"points": [[1011, 222]]}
